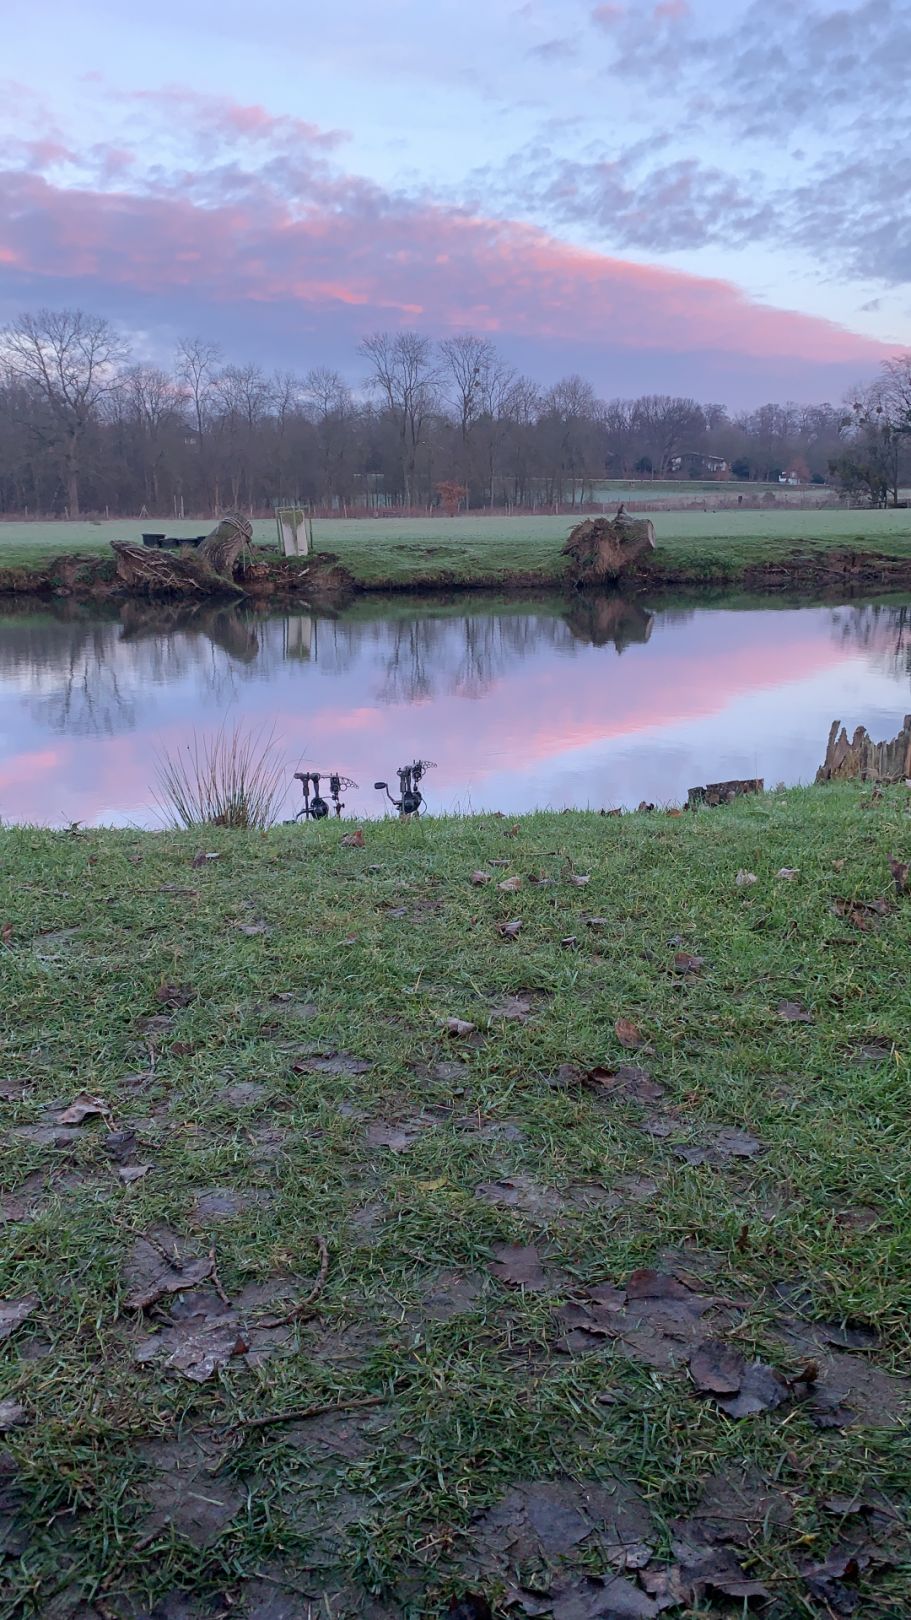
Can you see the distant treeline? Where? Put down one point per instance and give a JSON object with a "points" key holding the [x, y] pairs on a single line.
{"points": [[85, 427]]}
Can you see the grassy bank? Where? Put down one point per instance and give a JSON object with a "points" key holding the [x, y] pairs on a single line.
{"points": [[394, 554], [260, 1044]]}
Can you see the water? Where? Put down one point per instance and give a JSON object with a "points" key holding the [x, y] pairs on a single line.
{"points": [[523, 705]]}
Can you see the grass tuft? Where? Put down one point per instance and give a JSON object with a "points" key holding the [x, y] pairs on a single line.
{"points": [[234, 779]]}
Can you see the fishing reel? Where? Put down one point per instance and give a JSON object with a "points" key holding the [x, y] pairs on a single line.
{"points": [[410, 796], [315, 807]]}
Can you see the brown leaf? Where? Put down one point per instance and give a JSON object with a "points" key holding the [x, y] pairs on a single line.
{"points": [[745, 879], [202, 856], [761, 1390], [150, 1275], [13, 1312], [788, 873], [793, 1013], [510, 885], [480, 878], [511, 930], [511, 832], [353, 840], [634, 1084], [717, 1368], [900, 871], [569, 942], [839, 866], [580, 879], [685, 963], [518, 1265], [6, 934], [628, 1034], [132, 1172], [83, 1107], [12, 1415], [459, 1026], [596, 922]]}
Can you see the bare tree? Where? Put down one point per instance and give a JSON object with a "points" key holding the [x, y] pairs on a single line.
{"points": [[72, 360], [402, 372], [196, 363]]}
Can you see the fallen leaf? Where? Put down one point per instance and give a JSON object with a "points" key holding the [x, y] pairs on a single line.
{"points": [[510, 885], [900, 871], [511, 930], [635, 1085], [673, 812], [685, 963], [203, 856], [644, 805], [716, 1368], [628, 1034], [761, 1389], [459, 1026], [13, 1312], [353, 840], [480, 878], [839, 865], [744, 879], [83, 1107], [150, 1275], [12, 1415], [580, 879], [511, 832], [252, 928], [595, 922], [129, 1173], [792, 1013], [519, 1266], [788, 873], [569, 942], [6, 934], [207, 1343]]}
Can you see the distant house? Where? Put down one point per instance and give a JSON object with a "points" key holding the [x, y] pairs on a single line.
{"points": [[712, 466], [791, 478]]}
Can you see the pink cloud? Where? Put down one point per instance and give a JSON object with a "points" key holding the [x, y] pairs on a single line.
{"points": [[342, 242], [671, 11]]}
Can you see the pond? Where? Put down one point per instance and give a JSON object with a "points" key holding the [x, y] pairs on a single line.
{"points": [[530, 704]]}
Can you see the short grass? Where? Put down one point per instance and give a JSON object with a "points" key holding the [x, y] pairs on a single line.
{"points": [[370, 950], [472, 550]]}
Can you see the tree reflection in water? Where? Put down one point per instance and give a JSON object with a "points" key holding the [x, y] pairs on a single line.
{"points": [[881, 631]]}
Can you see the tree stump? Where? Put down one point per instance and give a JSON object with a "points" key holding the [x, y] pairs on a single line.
{"points": [[865, 760], [602, 549], [223, 546], [723, 792]]}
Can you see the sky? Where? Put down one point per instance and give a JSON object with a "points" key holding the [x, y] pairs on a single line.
{"points": [[697, 196]]}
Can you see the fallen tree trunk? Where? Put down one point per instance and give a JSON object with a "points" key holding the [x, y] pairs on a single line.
{"points": [[862, 758], [602, 549]]}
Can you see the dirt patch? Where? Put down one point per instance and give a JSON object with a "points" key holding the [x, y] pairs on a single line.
{"points": [[185, 1493]]}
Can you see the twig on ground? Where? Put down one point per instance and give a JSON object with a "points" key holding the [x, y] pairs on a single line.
{"points": [[216, 1280], [301, 1414]]}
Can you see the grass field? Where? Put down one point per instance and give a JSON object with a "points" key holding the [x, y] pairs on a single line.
{"points": [[213, 1068], [392, 552]]}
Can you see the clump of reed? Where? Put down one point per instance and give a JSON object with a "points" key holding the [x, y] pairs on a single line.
{"points": [[232, 779]]}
